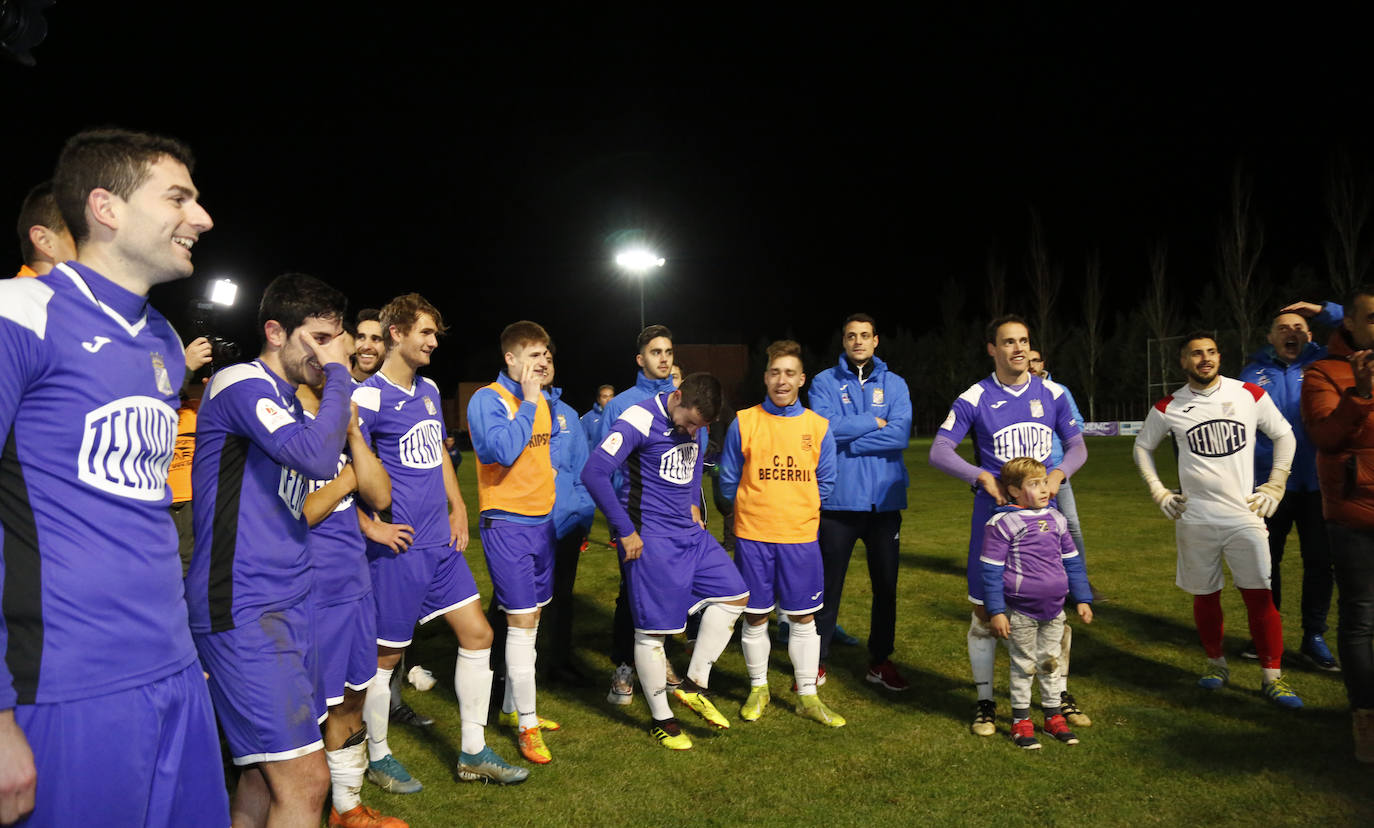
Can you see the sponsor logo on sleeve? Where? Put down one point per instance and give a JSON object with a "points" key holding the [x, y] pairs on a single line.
{"points": [[127, 446], [611, 445], [272, 415], [949, 421]]}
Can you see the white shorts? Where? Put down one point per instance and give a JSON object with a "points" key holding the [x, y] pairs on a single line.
{"points": [[1202, 546]]}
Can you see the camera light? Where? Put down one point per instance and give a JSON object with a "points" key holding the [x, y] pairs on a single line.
{"points": [[223, 291]]}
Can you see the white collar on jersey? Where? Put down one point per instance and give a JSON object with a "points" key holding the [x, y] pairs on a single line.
{"points": [[409, 392], [1011, 389], [132, 330]]}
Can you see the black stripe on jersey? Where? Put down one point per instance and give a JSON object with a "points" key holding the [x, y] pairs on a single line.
{"points": [[23, 595], [636, 475], [233, 458]]}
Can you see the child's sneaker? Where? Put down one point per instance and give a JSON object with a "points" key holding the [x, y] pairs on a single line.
{"points": [[985, 720], [1069, 707], [1059, 729], [1023, 734]]}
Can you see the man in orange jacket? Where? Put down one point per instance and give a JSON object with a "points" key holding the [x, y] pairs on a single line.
{"points": [[1338, 410]]}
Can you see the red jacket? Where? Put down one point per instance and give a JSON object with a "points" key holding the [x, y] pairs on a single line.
{"points": [[1341, 426]]}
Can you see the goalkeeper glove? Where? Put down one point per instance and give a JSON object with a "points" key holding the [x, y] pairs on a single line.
{"points": [[1264, 500], [1171, 503]]}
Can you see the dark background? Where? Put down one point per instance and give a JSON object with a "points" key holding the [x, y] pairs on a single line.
{"points": [[792, 166]]}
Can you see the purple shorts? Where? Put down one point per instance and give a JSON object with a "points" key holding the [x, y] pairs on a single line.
{"points": [[148, 755], [788, 577], [520, 562], [263, 684], [416, 586], [347, 636], [676, 575]]}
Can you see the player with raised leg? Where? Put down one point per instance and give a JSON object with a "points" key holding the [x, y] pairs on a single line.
{"points": [[672, 565]]}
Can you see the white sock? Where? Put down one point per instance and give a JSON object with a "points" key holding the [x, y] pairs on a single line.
{"points": [[717, 627], [652, 667], [346, 768], [1217, 662], [520, 656], [753, 640], [804, 648], [1270, 674], [377, 714], [982, 657], [472, 683], [508, 696]]}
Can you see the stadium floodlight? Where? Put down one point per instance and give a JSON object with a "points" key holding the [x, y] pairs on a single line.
{"points": [[638, 261], [223, 292]]}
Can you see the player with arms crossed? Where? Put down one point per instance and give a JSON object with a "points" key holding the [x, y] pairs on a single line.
{"points": [[672, 565], [104, 714], [345, 614], [1220, 513], [1012, 413], [429, 577], [778, 464], [511, 424]]}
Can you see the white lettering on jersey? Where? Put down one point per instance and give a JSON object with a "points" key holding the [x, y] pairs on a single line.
{"points": [[126, 447], [272, 415], [1034, 440], [1216, 438], [678, 464], [611, 445], [316, 485], [423, 446], [292, 488]]}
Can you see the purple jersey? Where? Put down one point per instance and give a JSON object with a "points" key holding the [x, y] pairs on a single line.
{"points": [[1011, 422], [663, 471], [255, 456], [337, 550], [89, 572], [1037, 560], [407, 428]]}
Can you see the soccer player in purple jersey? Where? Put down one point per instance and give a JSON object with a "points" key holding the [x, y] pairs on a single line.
{"points": [[345, 614], [1011, 413], [104, 713], [249, 583], [426, 576], [671, 564], [655, 376]]}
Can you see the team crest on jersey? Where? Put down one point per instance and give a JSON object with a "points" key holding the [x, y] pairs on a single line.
{"points": [[1037, 408], [126, 447], [164, 382], [1228, 409], [423, 446], [844, 397], [877, 396], [562, 423], [1216, 438], [429, 406], [806, 442], [678, 464]]}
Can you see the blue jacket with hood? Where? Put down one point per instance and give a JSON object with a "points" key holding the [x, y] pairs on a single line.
{"points": [[1283, 383], [572, 505], [870, 474]]}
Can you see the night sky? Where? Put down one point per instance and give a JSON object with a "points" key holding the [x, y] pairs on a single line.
{"points": [[793, 167]]}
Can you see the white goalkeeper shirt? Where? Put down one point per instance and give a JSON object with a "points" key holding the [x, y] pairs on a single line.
{"points": [[1215, 435]]}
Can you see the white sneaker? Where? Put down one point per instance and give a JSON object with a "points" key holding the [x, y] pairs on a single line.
{"points": [[622, 685]]}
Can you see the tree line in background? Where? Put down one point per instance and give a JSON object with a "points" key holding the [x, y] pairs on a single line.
{"points": [[1104, 354]]}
